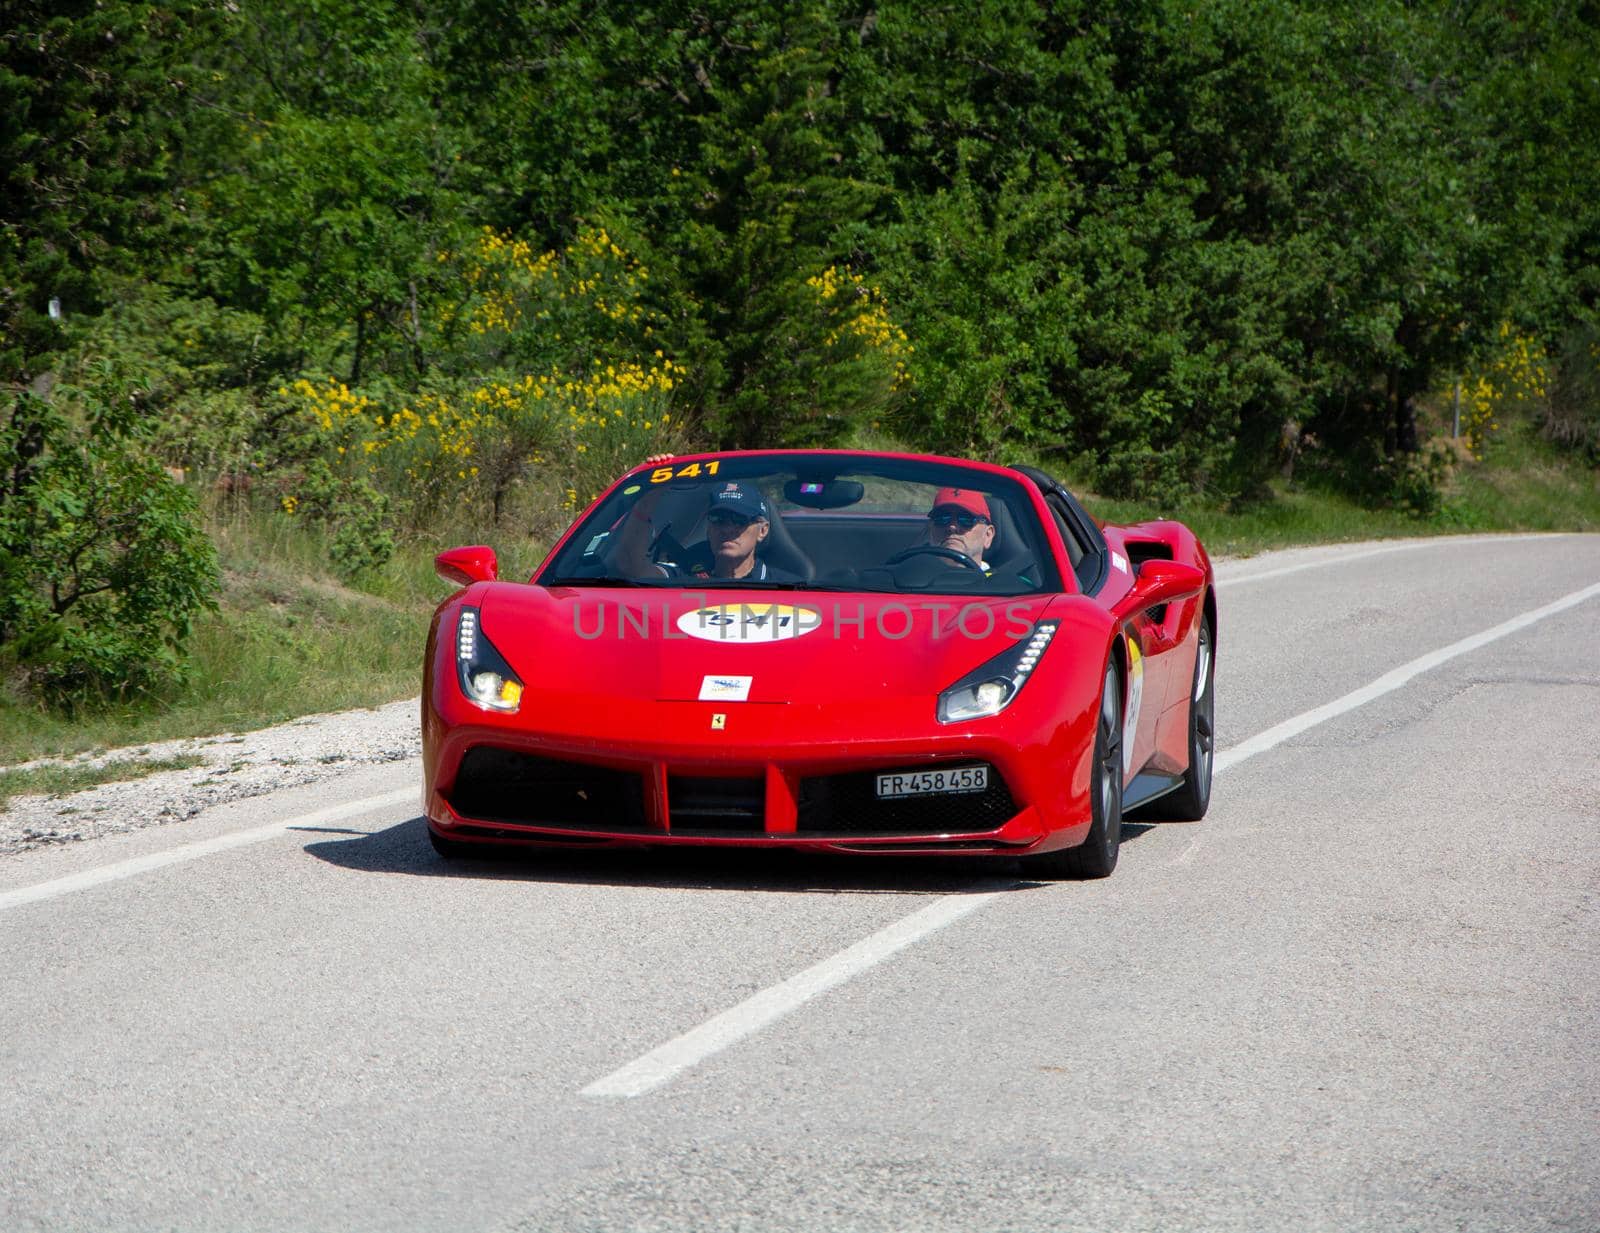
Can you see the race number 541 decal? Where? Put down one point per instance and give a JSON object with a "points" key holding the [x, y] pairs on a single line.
{"points": [[690, 470], [749, 622]]}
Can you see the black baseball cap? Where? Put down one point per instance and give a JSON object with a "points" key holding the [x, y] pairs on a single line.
{"points": [[739, 499]]}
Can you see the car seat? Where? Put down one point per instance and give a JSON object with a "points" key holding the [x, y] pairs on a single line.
{"points": [[780, 550], [1008, 544]]}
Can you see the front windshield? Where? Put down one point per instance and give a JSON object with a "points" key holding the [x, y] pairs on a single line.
{"points": [[814, 522]]}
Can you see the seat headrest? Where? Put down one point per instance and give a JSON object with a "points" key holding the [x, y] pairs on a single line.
{"points": [[1007, 541], [780, 550]]}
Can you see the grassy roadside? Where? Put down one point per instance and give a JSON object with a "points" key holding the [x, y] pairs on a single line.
{"points": [[290, 639], [1525, 486]]}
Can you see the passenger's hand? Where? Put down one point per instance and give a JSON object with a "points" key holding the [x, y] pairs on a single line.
{"points": [[659, 457]]}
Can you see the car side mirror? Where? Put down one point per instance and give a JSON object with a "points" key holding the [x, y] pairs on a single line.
{"points": [[1160, 582], [464, 566]]}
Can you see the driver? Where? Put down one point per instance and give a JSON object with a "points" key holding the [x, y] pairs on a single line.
{"points": [[960, 522], [737, 522]]}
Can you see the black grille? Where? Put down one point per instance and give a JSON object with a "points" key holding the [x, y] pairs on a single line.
{"points": [[704, 804], [501, 785], [849, 804], [500, 832]]}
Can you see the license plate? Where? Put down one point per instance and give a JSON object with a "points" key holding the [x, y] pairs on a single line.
{"points": [[926, 783]]}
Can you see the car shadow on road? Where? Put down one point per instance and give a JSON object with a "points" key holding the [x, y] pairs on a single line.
{"points": [[404, 849]]}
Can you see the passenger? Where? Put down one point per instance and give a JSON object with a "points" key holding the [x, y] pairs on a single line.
{"points": [[737, 523]]}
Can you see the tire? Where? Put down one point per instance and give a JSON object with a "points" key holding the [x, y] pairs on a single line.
{"points": [[1096, 857], [1189, 802]]}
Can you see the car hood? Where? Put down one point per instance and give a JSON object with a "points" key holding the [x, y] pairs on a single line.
{"points": [[742, 645]]}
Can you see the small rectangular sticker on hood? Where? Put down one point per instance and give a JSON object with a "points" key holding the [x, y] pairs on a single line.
{"points": [[725, 689]]}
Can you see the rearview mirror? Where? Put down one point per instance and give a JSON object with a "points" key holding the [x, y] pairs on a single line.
{"points": [[464, 566], [823, 493], [1160, 582]]}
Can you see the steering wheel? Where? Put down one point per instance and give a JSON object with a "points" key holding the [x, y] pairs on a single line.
{"points": [[934, 550]]}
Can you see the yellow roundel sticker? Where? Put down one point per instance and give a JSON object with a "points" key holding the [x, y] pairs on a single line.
{"points": [[751, 622], [1130, 723]]}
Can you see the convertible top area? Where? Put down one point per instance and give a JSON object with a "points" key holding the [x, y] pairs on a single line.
{"points": [[836, 519]]}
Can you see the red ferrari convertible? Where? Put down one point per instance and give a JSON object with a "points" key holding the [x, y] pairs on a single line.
{"points": [[828, 650]]}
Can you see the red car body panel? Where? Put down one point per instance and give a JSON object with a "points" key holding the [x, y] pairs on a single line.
{"points": [[611, 683]]}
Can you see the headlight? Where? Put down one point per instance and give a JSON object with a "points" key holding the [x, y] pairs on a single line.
{"points": [[989, 688], [486, 678]]}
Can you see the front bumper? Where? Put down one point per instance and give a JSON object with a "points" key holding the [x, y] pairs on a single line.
{"points": [[492, 780]]}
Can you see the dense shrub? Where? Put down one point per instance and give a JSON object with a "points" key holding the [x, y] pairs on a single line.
{"points": [[103, 566]]}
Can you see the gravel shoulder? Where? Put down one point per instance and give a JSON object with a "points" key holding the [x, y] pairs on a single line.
{"points": [[234, 766]]}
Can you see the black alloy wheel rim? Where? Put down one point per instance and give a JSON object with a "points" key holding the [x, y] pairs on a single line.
{"points": [[1110, 754]]}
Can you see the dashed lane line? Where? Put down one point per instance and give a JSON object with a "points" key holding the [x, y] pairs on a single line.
{"points": [[662, 1064], [1394, 679], [666, 1062]]}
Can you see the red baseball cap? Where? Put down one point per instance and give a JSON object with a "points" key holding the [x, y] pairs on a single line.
{"points": [[962, 498]]}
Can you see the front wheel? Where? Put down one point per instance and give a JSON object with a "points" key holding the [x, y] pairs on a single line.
{"points": [[1096, 857]]}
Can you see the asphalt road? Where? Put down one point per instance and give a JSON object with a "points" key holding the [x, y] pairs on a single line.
{"points": [[1364, 993]]}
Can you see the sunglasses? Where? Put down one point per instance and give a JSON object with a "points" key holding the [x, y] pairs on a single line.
{"points": [[727, 518], [946, 519]]}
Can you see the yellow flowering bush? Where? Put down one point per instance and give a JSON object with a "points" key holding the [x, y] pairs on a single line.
{"points": [[857, 311], [534, 308], [1517, 378], [470, 447], [612, 418], [558, 392], [322, 460]]}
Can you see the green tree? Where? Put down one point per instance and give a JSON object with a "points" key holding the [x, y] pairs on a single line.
{"points": [[329, 182], [95, 99]]}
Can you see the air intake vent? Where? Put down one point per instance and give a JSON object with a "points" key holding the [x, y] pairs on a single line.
{"points": [[501, 785], [703, 804]]}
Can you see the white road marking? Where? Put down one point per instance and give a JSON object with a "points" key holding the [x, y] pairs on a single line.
{"points": [[666, 1062], [194, 851], [1345, 558], [1385, 684], [714, 1035]]}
